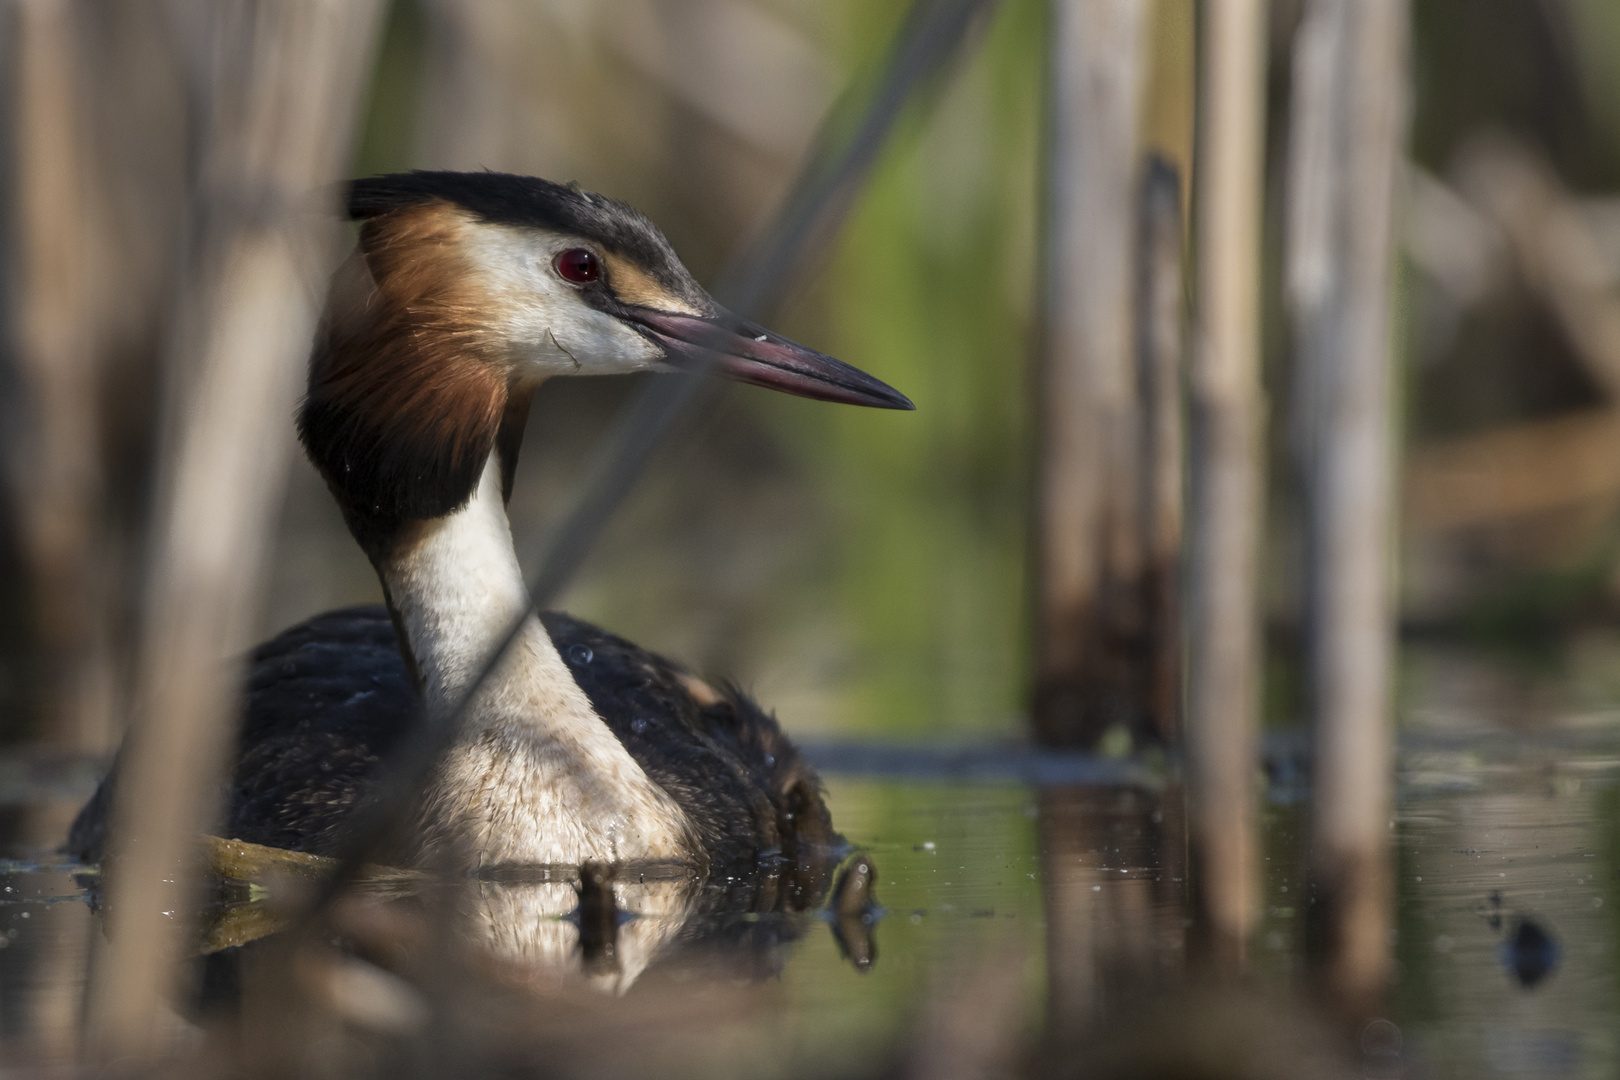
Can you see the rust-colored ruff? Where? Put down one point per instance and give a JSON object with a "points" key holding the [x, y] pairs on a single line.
{"points": [[406, 385]]}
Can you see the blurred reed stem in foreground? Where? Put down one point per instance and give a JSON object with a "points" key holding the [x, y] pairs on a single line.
{"points": [[1092, 566], [281, 84], [1224, 519], [1348, 132], [54, 453], [1109, 393]]}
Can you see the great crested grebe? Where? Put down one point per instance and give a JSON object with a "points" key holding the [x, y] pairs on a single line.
{"points": [[467, 290]]}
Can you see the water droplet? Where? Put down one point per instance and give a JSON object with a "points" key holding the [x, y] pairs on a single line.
{"points": [[638, 725], [580, 654]]}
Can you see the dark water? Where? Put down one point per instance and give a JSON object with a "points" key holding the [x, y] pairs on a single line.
{"points": [[1007, 901]]}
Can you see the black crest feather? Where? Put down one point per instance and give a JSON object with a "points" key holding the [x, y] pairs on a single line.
{"points": [[527, 201]]}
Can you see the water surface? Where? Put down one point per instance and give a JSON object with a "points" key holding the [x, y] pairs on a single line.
{"points": [[1066, 899]]}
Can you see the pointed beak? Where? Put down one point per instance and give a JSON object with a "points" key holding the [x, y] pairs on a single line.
{"points": [[737, 349]]}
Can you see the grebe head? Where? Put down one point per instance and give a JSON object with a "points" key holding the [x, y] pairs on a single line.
{"points": [[466, 291]]}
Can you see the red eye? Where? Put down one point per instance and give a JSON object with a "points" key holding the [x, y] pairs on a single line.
{"points": [[579, 266]]}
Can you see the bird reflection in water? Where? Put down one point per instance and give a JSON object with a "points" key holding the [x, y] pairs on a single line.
{"points": [[854, 912], [600, 925]]}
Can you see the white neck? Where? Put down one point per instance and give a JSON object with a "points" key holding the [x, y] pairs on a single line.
{"points": [[535, 775]]}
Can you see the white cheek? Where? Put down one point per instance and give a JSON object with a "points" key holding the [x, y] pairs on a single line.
{"points": [[592, 343], [546, 323]]}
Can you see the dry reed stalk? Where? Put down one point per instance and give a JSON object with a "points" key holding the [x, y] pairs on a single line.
{"points": [[55, 465], [1159, 325], [1090, 651], [52, 455], [1346, 149], [1554, 248], [283, 84], [1226, 490]]}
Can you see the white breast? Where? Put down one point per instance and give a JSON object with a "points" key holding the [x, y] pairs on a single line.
{"points": [[535, 775]]}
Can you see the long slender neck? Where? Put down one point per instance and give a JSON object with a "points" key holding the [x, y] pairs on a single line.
{"points": [[455, 586], [536, 776]]}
